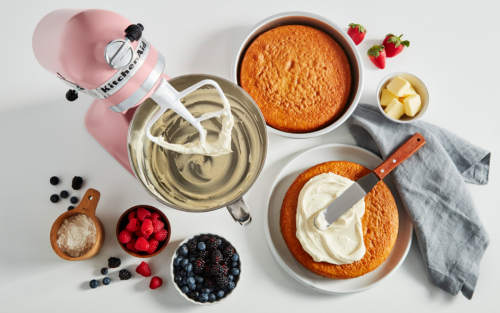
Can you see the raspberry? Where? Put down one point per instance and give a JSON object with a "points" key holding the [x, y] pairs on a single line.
{"points": [[131, 215], [125, 236], [161, 235], [157, 225], [155, 216], [131, 245], [155, 282], [153, 245], [143, 269], [133, 225], [147, 227], [143, 214], [140, 234], [142, 244]]}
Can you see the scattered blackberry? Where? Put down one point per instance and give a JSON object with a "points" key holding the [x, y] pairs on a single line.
{"points": [[229, 251], [124, 274], [70, 208], [199, 265], [222, 281], [216, 270], [54, 180], [77, 183], [204, 238], [216, 257], [73, 200], [212, 243], [114, 262], [54, 198], [193, 246], [203, 255], [104, 271], [93, 284]]}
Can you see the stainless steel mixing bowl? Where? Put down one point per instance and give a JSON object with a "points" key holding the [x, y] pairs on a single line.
{"points": [[138, 146]]}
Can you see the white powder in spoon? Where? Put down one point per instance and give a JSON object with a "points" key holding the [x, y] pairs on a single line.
{"points": [[76, 236]]}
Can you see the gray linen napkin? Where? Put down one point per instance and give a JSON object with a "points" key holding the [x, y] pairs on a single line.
{"points": [[432, 185]]}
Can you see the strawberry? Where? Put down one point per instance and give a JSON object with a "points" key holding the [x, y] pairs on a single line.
{"points": [[394, 45], [143, 269], [377, 55], [155, 282], [357, 33]]}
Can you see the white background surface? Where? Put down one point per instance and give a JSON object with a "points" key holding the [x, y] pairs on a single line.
{"points": [[454, 48]]}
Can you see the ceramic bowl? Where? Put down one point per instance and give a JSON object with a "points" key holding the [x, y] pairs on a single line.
{"points": [[420, 88]]}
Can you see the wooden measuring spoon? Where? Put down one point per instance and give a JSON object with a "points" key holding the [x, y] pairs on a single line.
{"points": [[87, 206]]}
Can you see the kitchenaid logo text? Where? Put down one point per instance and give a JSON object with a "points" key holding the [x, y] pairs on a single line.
{"points": [[117, 81]]}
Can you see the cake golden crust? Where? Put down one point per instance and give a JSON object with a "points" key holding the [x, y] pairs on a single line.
{"points": [[299, 77], [380, 223]]}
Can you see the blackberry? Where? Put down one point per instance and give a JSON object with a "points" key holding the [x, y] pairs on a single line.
{"points": [[114, 262], [124, 274], [199, 265], [212, 243], [210, 282], [216, 257], [203, 255], [204, 238], [54, 180], [64, 194], [216, 270], [222, 281], [77, 182], [227, 260], [225, 269], [207, 269], [229, 251], [54, 198], [193, 246]]}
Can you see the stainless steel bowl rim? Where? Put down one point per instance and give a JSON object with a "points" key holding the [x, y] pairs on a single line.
{"points": [[347, 114]]}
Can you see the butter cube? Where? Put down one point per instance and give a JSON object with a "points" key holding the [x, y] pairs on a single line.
{"points": [[386, 97], [413, 104], [395, 109], [398, 86], [410, 91]]}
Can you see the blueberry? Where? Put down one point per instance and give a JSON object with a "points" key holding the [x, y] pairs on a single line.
{"points": [[185, 289], [54, 198], [73, 200], [192, 287], [231, 285], [93, 284], [192, 259], [203, 297], [199, 279], [205, 291], [194, 295], [191, 281], [211, 297], [230, 277], [199, 286], [189, 267], [184, 273], [220, 241], [183, 250], [220, 294], [184, 262], [106, 281], [235, 271], [177, 260], [177, 278], [54, 180], [70, 208], [190, 274], [235, 257], [104, 271], [202, 246], [184, 280], [64, 194], [234, 264]]}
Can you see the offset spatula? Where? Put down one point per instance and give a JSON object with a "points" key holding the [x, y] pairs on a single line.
{"points": [[364, 185]]}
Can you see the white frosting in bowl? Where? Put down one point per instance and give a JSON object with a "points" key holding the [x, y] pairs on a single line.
{"points": [[342, 242]]}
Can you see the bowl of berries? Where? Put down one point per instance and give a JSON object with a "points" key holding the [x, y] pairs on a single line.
{"points": [[143, 231], [206, 269]]}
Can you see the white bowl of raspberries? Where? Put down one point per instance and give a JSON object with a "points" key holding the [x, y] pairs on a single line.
{"points": [[206, 268]]}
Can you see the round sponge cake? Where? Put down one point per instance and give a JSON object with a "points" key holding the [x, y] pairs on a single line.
{"points": [[299, 77], [380, 223]]}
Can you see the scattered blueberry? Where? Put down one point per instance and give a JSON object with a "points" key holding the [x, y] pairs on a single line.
{"points": [[183, 273], [191, 281], [189, 267], [192, 287], [235, 271], [183, 250], [231, 285], [211, 297], [190, 274], [184, 262], [73, 200], [199, 279], [177, 260], [194, 295], [202, 246], [185, 289], [93, 284], [230, 277], [234, 264], [54, 180], [64, 194], [177, 278], [203, 297], [235, 257], [54, 198], [220, 294], [106, 281], [70, 208], [104, 271]]}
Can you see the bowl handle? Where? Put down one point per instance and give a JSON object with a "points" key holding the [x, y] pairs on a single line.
{"points": [[89, 202], [240, 212]]}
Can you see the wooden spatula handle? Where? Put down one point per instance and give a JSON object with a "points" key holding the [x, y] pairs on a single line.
{"points": [[406, 150]]}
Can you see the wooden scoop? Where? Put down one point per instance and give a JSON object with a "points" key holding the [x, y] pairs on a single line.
{"points": [[87, 206]]}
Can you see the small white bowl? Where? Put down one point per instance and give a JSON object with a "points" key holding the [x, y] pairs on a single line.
{"points": [[420, 88], [172, 267]]}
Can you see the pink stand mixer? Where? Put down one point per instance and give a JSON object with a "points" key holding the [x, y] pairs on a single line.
{"points": [[117, 67]]}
